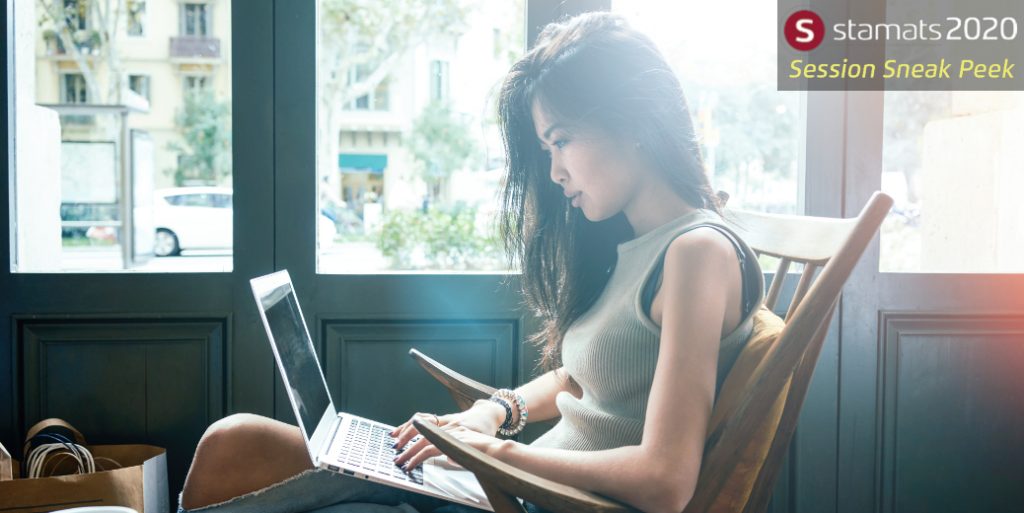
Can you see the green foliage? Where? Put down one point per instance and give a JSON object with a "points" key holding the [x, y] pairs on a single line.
{"points": [[205, 128], [756, 124], [70, 18], [440, 140], [372, 34], [439, 239]]}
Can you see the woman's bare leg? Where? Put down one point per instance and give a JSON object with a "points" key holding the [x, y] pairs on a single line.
{"points": [[242, 453]]}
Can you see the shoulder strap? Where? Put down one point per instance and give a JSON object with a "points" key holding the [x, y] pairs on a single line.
{"points": [[748, 285]]}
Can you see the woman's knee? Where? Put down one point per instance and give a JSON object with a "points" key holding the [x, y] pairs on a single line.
{"points": [[268, 450], [234, 424], [254, 439], [227, 434]]}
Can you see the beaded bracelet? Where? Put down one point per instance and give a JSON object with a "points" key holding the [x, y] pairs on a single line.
{"points": [[508, 409], [513, 398]]}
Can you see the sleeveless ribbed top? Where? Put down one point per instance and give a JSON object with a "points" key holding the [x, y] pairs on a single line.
{"points": [[612, 349]]}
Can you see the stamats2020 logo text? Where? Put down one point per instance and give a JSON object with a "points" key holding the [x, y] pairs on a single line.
{"points": [[805, 30]]}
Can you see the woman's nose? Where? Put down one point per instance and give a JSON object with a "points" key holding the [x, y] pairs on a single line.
{"points": [[558, 174]]}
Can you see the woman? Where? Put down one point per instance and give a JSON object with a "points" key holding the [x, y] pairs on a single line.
{"points": [[610, 215]]}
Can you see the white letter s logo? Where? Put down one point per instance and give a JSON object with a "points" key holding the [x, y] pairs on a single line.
{"points": [[803, 26]]}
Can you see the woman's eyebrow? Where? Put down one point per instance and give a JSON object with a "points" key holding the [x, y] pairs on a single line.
{"points": [[547, 133]]}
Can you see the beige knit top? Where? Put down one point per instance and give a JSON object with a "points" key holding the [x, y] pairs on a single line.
{"points": [[612, 349]]}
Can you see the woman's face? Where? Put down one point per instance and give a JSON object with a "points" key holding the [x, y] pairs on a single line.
{"points": [[597, 174]]}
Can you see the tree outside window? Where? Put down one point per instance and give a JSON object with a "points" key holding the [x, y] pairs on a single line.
{"points": [[204, 153]]}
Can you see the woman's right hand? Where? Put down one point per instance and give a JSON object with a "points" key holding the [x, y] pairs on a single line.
{"points": [[483, 417]]}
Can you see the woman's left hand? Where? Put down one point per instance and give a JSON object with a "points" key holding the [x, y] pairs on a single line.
{"points": [[422, 449]]}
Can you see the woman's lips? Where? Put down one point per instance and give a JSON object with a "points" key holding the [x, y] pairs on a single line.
{"points": [[576, 199]]}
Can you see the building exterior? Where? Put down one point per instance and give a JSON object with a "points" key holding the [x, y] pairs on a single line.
{"points": [[466, 72], [165, 48]]}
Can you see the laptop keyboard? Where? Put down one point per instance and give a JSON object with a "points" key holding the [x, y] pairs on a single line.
{"points": [[369, 446]]}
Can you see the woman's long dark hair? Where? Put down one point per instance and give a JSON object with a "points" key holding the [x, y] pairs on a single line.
{"points": [[594, 71]]}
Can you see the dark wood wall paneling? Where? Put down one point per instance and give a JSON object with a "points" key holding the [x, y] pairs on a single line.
{"points": [[950, 412], [369, 372], [116, 379]]}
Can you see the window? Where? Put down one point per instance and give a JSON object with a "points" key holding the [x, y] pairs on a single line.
{"points": [[175, 200], [439, 80], [194, 84], [136, 16], [195, 20], [139, 84], [73, 88], [211, 200], [380, 97], [377, 99], [952, 163], [71, 18], [412, 188], [195, 200], [76, 14], [750, 132], [77, 124], [221, 200]]}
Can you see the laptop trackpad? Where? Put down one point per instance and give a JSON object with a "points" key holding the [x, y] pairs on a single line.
{"points": [[454, 480]]}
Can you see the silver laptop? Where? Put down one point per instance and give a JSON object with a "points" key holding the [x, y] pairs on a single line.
{"points": [[338, 441]]}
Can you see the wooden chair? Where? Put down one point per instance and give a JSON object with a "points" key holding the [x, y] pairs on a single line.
{"points": [[759, 403]]}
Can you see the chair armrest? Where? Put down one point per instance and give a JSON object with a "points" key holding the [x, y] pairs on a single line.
{"points": [[463, 390], [507, 482]]}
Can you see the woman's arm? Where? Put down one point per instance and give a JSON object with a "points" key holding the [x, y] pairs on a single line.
{"points": [[660, 474], [485, 416], [539, 395]]}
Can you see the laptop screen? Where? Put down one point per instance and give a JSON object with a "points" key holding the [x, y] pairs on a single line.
{"points": [[297, 357]]}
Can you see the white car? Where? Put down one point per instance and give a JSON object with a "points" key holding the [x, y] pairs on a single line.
{"points": [[201, 218]]}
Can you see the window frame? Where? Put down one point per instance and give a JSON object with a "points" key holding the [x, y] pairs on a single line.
{"points": [[148, 80], [63, 95], [186, 89], [143, 21], [440, 80], [207, 10], [84, 21]]}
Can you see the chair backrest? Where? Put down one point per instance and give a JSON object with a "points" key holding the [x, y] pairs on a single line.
{"points": [[759, 402]]}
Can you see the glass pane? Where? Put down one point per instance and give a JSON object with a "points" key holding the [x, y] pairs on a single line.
{"points": [[409, 150], [953, 163], [750, 132], [105, 139], [136, 12]]}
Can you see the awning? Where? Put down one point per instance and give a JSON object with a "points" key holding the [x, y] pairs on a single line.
{"points": [[362, 163]]}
